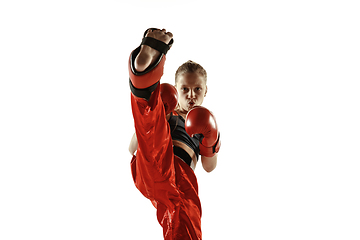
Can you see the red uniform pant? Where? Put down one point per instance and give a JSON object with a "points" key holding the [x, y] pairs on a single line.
{"points": [[165, 179]]}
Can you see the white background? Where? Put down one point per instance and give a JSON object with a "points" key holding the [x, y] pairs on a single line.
{"points": [[283, 80]]}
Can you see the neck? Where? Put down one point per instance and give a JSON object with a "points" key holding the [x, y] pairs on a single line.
{"points": [[181, 112]]}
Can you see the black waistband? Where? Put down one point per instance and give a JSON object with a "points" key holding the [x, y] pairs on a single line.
{"points": [[181, 153]]}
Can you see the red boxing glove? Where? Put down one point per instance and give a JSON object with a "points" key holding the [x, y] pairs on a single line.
{"points": [[200, 120], [169, 96]]}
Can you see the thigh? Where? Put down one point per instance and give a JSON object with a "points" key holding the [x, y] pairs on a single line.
{"points": [[155, 151], [151, 126]]}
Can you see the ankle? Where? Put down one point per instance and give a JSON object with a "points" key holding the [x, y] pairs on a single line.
{"points": [[145, 58]]}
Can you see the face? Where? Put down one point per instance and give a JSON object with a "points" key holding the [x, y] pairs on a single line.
{"points": [[192, 90]]}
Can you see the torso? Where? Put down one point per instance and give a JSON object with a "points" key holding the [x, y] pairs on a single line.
{"points": [[182, 140], [189, 151]]}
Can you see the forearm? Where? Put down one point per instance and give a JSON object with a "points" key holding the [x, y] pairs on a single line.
{"points": [[209, 163]]}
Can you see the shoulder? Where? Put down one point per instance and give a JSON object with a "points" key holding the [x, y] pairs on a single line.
{"points": [[180, 115], [173, 115]]}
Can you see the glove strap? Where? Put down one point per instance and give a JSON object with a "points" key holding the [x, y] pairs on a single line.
{"points": [[210, 151], [156, 44], [217, 145]]}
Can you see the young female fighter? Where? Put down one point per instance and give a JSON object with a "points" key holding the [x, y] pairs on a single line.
{"points": [[168, 143]]}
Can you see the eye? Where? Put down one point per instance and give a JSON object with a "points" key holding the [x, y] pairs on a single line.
{"points": [[184, 89], [198, 89]]}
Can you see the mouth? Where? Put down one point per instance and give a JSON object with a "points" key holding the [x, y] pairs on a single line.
{"points": [[191, 104]]}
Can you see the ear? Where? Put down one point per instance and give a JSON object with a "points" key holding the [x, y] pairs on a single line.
{"points": [[206, 88]]}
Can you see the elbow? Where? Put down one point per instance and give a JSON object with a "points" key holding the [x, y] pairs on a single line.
{"points": [[209, 164], [209, 169], [133, 144], [132, 148], [131, 151]]}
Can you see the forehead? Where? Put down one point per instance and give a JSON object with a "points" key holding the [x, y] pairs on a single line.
{"points": [[191, 79]]}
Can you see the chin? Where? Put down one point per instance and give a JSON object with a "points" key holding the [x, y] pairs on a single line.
{"points": [[191, 107]]}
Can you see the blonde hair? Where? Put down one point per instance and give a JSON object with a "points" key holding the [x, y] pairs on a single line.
{"points": [[190, 67]]}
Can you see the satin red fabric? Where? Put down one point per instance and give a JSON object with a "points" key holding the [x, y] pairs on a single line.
{"points": [[167, 181]]}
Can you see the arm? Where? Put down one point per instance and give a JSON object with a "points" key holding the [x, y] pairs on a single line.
{"points": [[133, 144], [209, 163]]}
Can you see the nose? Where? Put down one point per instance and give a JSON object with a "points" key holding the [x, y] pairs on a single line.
{"points": [[191, 94]]}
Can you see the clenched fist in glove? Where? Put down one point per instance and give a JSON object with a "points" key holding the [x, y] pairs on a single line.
{"points": [[200, 120]]}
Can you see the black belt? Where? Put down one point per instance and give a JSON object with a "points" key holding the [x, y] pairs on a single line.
{"points": [[181, 153]]}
